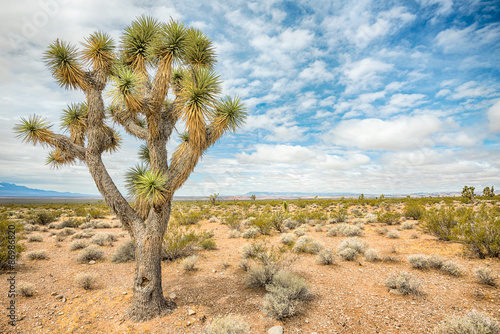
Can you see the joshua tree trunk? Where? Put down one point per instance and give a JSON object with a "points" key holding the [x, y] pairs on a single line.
{"points": [[148, 301]]}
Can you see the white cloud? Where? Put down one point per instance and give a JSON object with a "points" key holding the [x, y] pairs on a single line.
{"points": [[471, 89], [364, 74], [494, 117], [404, 132], [316, 73], [456, 40]]}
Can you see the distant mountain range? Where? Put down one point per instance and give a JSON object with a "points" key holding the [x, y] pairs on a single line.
{"points": [[13, 190]]}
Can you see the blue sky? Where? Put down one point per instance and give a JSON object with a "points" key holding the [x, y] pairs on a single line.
{"points": [[343, 96]]}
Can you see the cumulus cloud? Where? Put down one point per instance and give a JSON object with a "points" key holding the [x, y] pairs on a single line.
{"points": [[404, 132], [364, 74]]}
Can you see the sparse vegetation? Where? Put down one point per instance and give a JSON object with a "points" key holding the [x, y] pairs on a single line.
{"points": [[306, 244], [189, 263], [485, 276], [229, 324], [404, 283], [325, 258], [124, 253], [473, 322], [86, 281], [90, 253], [37, 255], [26, 289]]}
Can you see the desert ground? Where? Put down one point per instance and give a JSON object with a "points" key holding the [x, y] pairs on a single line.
{"points": [[348, 296]]}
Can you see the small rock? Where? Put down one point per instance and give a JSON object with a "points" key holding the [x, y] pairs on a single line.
{"points": [[191, 312], [53, 294], [59, 297], [188, 323], [214, 271], [124, 293], [91, 262], [395, 292], [172, 296], [275, 330]]}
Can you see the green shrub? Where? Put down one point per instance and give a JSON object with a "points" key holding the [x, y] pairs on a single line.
{"points": [[404, 283], [481, 233], [339, 216], [10, 247], [346, 230], [389, 218], [190, 218], [228, 324], [208, 244], [86, 281], [233, 221], [180, 242], [43, 217], [263, 223], [441, 223], [124, 253], [90, 253], [253, 250], [414, 211], [473, 322]]}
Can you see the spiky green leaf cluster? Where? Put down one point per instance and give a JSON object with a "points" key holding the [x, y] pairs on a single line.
{"points": [[62, 60], [34, 130]]}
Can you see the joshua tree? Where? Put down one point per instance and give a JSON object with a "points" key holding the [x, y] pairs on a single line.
{"points": [[487, 192], [468, 192], [161, 74], [213, 198], [253, 197]]}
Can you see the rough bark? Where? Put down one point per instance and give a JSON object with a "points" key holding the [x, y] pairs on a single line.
{"points": [[148, 301]]}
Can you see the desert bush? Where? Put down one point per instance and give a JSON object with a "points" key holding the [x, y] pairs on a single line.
{"points": [[300, 232], [66, 232], [180, 241], [77, 244], [484, 276], [372, 255], [440, 223], [419, 261], [86, 234], [404, 283], [188, 264], [101, 224], [86, 281], [26, 289], [318, 228], [339, 216], [290, 224], [233, 234], [189, 218], [37, 255], [481, 232], [393, 234], [92, 252], [325, 258], [381, 230], [435, 261], [407, 225], [228, 324], [346, 230], [306, 244], [31, 228], [277, 220], [35, 238], [103, 239], [124, 253], [389, 218], [208, 244], [10, 247], [253, 250], [264, 265], [414, 211], [285, 293], [348, 254], [233, 221], [450, 267], [251, 233], [473, 322], [353, 243], [43, 217], [263, 223], [287, 238]]}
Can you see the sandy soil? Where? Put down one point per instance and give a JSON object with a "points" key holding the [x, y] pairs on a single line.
{"points": [[348, 298]]}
